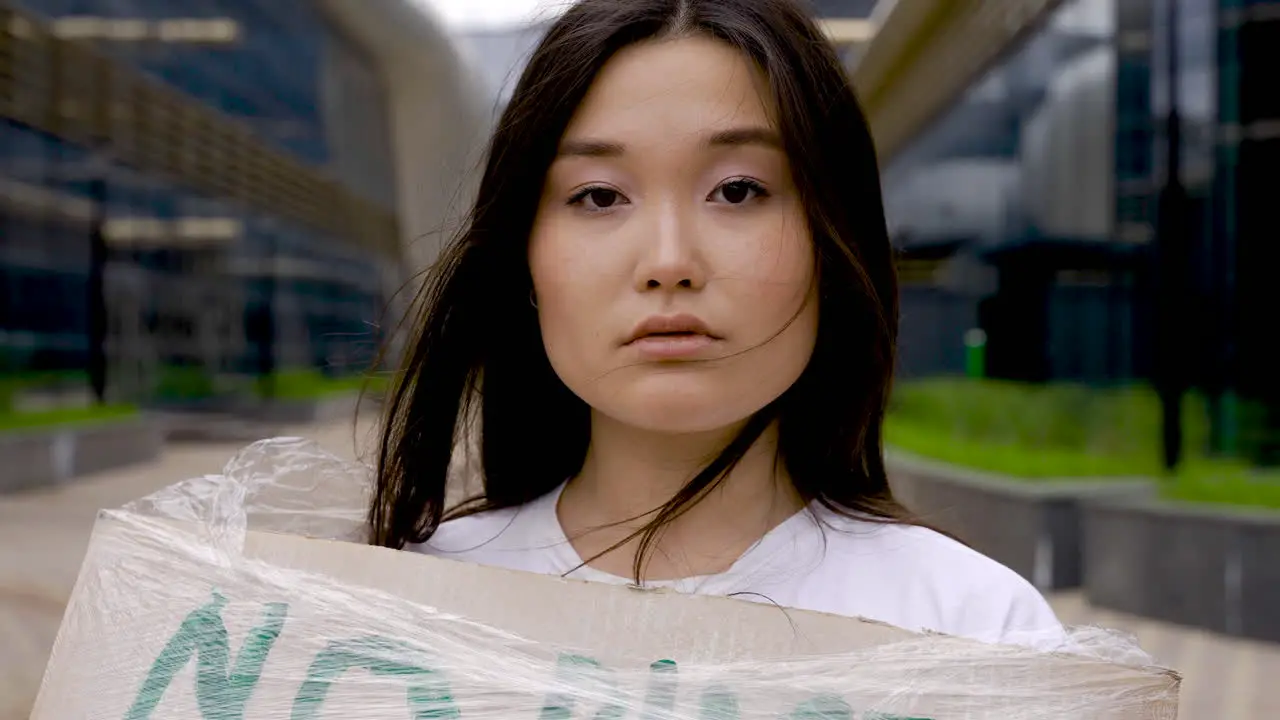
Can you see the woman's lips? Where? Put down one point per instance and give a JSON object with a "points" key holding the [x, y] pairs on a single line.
{"points": [[673, 346], [681, 336]]}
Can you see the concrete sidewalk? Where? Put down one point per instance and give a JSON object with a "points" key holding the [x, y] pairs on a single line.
{"points": [[1223, 678], [43, 538], [44, 534]]}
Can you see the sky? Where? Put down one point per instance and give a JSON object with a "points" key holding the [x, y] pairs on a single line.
{"points": [[485, 14]]}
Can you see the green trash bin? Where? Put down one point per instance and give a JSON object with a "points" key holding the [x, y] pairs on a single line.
{"points": [[975, 353]]}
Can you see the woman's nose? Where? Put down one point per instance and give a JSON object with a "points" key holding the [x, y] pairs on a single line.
{"points": [[671, 260]]}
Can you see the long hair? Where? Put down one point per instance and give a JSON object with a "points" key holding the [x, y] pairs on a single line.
{"points": [[477, 334]]}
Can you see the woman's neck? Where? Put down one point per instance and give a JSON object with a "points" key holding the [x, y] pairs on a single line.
{"points": [[630, 473]]}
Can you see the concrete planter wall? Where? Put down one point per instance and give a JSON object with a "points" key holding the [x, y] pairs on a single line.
{"points": [[248, 420], [1212, 567], [304, 412], [1033, 527], [49, 456]]}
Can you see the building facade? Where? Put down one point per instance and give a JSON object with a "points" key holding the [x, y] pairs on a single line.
{"points": [[1009, 196], [193, 193], [1043, 184]]}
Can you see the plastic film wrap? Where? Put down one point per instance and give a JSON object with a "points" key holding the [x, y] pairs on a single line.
{"points": [[249, 595]]}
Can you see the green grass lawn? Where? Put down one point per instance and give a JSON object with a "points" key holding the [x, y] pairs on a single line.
{"points": [[1064, 431], [1222, 482], [12, 384], [312, 384], [1006, 457], [184, 383], [64, 416]]}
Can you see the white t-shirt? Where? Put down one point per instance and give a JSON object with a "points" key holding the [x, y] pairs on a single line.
{"points": [[906, 576]]}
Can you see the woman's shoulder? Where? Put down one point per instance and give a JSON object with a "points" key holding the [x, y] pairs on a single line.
{"points": [[518, 538], [915, 546], [951, 587], [466, 533]]}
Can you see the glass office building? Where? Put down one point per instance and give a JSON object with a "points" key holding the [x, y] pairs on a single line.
{"points": [[192, 193], [1030, 208], [1003, 209]]}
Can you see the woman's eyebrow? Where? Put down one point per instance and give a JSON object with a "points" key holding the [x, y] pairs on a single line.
{"points": [[732, 137], [591, 149]]}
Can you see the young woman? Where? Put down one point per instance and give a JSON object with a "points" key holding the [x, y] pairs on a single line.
{"points": [[674, 308]]}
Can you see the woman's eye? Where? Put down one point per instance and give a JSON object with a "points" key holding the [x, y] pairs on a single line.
{"points": [[736, 192], [598, 198]]}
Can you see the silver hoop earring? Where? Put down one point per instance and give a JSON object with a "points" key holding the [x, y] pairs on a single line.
{"points": [[533, 299]]}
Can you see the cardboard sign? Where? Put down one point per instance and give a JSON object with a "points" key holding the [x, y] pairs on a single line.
{"points": [[175, 620]]}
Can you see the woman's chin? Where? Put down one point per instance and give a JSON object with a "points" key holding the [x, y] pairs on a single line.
{"points": [[679, 413]]}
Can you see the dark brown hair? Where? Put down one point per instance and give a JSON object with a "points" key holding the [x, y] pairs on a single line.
{"points": [[478, 338]]}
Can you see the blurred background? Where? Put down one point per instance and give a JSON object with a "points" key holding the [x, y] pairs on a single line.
{"points": [[212, 212], [1088, 214], [201, 202]]}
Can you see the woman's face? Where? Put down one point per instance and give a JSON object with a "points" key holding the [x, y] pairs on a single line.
{"points": [[671, 258]]}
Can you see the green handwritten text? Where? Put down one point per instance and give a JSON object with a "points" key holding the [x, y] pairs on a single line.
{"points": [[428, 691], [220, 695], [577, 673]]}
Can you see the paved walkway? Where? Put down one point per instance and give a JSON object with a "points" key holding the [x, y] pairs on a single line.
{"points": [[43, 537], [1223, 678]]}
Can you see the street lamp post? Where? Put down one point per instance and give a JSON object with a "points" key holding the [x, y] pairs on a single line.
{"points": [[267, 324], [1173, 249], [96, 289]]}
